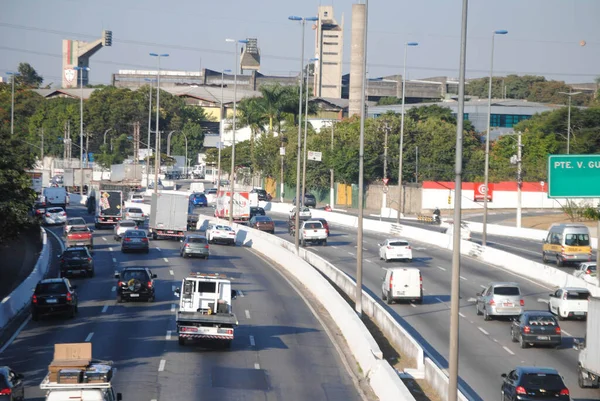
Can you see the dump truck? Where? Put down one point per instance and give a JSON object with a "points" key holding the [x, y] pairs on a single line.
{"points": [[168, 216], [588, 367], [205, 310]]}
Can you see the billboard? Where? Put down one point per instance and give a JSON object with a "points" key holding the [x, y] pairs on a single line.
{"points": [[480, 191]]}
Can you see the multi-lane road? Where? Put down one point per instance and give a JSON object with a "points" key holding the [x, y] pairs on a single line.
{"points": [[280, 352], [486, 349]]}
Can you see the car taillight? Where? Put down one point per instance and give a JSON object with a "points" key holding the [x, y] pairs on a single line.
{"points": [[126, 239], [62, 213], [187, 245], [526, 329], [34, 299], [69, 297], [120, 283], [47, 214], [564, 391], [304, 232], [522, 302], [144, 239], [89, 260], [408, 247], [421, 281], [391, 280], [492, 302], [149, 284], [520, 390], [206, 246], [557, 330], [5, 391], [588, 271], [389, 247]]}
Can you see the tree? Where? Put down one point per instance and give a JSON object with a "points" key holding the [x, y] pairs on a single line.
{"points": [[28, 76]]}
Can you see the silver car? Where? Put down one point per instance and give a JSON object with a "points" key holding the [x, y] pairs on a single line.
{"points": [[194, 245], [136, 214], [500, 299], [55, 215]]}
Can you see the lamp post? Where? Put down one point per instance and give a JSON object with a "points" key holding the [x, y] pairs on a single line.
{"points": [[221, 126], [232, 180], [80, 76], [401, 149], [455, 281], [305, 134], [104, 140], [487, 142], [12, 102], [570, 94], [297, 222], [149, 129], [169, 142], [157, 157]]}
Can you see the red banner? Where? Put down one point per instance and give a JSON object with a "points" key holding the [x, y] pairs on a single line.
{"points": [[480, 191]]}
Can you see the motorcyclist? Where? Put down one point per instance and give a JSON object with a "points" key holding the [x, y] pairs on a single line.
{"points": [[436, 215]]}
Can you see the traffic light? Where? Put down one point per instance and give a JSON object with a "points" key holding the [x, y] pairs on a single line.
{"points": [[107, 38]]}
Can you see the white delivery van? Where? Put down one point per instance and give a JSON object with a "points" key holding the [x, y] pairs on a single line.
{"points": [[56, 196], [402, 283]]}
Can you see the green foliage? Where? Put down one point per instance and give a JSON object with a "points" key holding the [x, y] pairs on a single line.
{"points": [[384, 101], [28, 76]]}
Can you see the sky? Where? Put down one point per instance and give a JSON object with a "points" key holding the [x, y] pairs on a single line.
{"points": [[544, 37]]}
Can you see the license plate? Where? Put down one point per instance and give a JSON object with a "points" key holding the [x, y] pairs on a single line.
{"points": [[135, 240], [134, 295], [399, 292], [543, 337], [80, 243], [510, 304], [170, 232], [579, 313], [51, 301]]}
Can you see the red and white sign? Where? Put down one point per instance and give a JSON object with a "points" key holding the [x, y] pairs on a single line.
{"points": [[480, 191], [385, 181]]}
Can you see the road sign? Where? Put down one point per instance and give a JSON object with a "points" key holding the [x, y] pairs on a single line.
{"points": [[282, 151], [576, 176], [385, 181], [316, 156]]}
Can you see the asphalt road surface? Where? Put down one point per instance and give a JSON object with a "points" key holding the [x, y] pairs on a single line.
{"points": [[280, 351]]}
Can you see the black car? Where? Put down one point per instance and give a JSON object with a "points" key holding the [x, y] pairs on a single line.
{"points": [[135, 240], [309, 200], [54, 296], [262, 194], [76, 261], [533, 383], [257, 211], [11, 385], [135, 283], [536, 327]]}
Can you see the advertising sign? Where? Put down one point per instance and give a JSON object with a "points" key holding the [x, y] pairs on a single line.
{"points": [[480, 191]]}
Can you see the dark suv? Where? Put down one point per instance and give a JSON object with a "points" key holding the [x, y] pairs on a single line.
{"points": [[54, 296], [262, 194], [309, 200], [533, 383], [135, 283], [76, 261]]}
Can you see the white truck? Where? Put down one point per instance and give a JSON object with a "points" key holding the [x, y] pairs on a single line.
{"points": [[168, 216], [588, 367], [205, 311], [241, 205], [312, 231], [109, 208], [95, 391]]}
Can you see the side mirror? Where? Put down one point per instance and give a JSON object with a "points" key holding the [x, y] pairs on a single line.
{"points": [[177, 292], [117, 275], [503, 375], [233, 294], [119, 396], [543, 240], [154, 276]]}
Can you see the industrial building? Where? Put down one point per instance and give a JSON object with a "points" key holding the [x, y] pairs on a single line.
{"points": [[329, 44]]}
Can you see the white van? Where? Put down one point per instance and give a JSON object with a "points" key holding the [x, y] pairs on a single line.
{"points": [[56, 196], [92, 394], [465, 232], [402, 283]]}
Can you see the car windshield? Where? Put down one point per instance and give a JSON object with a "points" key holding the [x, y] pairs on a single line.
{"points": [[135, 233], [76, 253], [262, 218], [224, 228], [507, 291], [313, 225], [211, 191], [399, 243], [137, 196], [542, 381], [541, 320], [134, 275], [196, 240], [79, 229], [128, 224], [577, 240], [50, 288], [578, 296], [75, 221], [134, 210], [54, 210]]}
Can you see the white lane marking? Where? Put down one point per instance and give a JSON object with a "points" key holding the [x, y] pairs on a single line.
{"points": [[173, 307], [110, 249], [5, 299], [105, 309], [461, 315], [158, 249], [333, 246], [541, 300], [247, 314], [161, 365], [472, 300], [241, 293], [495, 340], [252, 343], [483, 331], [171, 272], [10, 340], [104, 238], [256, 366], [482, 286], [350, 253], [113, 289], [89, 337], [508, 350], [114, 260], [168, 336], [565, 333], [441, 268], [413, 305], [166, 260], [368, 261], [463, 278]]}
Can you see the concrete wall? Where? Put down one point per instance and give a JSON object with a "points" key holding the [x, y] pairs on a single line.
{"points": [[412, 198]]}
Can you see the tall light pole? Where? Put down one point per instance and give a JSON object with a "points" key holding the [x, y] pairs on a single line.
{"points": [[232, 180], [157, 124], [570, 94], [455, 282], [149, 129], [12, 102], [106, 132], [80, 76], [297, 222], [331, 181], [401, 148], [169, 142], [221, 128], [487, 142], [305, 134]]}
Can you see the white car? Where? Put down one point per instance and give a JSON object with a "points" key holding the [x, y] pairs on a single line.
{"points": [[136, 197], [135, 213], [585, 269], [211, 195], [220, 233], [304, 213], [55, 215], [395, 248], [569, 302], [123, 226]]}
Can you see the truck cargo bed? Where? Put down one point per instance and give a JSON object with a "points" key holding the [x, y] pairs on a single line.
{"points": [[205, 318]]}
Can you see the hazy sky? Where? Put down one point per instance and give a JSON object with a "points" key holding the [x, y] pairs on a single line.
{"points": [[544, 36]]}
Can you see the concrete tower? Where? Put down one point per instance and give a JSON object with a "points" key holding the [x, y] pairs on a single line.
{"points": [[250, 58], [356, 58], [329, 43], [76, 53]]}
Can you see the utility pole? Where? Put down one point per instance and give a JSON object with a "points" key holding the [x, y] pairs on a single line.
{"points": [[386, 129], [519, 179], [332, 183], [416, 164], [42, 146]]}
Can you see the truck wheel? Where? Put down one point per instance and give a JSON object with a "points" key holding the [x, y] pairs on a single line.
{"points": [[181, 341], [559, 262], [389, 299], [544, 260]]}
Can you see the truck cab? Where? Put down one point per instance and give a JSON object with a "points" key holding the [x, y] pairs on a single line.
{"points": [[205, 310]]}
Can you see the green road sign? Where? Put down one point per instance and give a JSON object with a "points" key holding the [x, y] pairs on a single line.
{"points": [[574, 176]]}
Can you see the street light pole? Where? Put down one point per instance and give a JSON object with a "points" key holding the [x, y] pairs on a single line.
{"points": [[157, 124], [487, 142], [386, 128], [401, 151], [12, 102], [305, 135], [149, 129], [331, 181], [519, 179], [455, 283], [221, 126], [80, 76], [570, 94]]}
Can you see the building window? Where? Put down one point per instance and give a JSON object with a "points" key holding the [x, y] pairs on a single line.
{"points": [[507, 120], [329, 63], [330, 53], [325, 13], [330, 43], [330, 36]]}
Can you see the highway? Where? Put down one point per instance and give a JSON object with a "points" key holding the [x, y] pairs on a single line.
{"points": [[486, 350], [280, 350]]}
